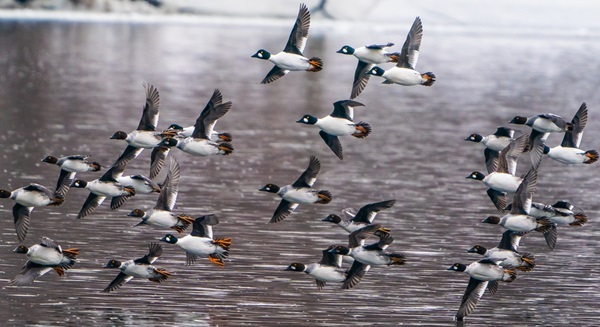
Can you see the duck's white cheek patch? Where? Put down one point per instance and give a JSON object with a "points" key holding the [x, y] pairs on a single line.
{"points": [[306, 120], [260, 55]]}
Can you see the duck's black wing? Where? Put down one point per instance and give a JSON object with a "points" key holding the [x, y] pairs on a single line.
{"points": [[213, 110], [473, 293], [149, 119], [309, 176], [119, 281], [297, 40], [367, 213], [21, 219], [284, 209], [28, 273], [410, 49], [573, 139], [170, 188], [202, 226], [333, 142]]}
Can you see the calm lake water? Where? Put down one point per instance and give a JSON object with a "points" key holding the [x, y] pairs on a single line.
{"points": [[66, 87]]}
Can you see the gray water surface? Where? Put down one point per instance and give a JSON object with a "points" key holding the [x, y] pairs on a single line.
{"points": [[66, 87]]}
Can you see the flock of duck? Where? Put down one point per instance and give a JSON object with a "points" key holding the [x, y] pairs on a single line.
{"points": [[521, 216]]}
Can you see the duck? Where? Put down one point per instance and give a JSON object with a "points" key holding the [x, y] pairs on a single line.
{"points": [[326, 270], [485, 273], [199, 144], [404, 73], [368, 56], [105, 186], [494, 143], [301, 191], [291, 58], [507, 253], [502, 179], [568, 152], [27, 198], [215, 136], [141, 268], [363, 218], [162, 214], [140, 183], [542, 125], [561, 213], [200, 242], [69, 166], [372, 254], [338, 123], [43, 257], [518, 219], [145, 136], [366, 256]]}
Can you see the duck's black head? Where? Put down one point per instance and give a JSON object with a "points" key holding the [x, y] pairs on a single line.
{"points": [[477, 249], [494, 220], [79, 183], [5, 194], [175, 127], [50, 159], [474, 138], [333, 219], [21, 249], [113, 264], [476, 175], [340, 249], [119, 135], [308, 120], [520, 120], [348, 50], [169, 238], [169, 141], [262, 54], [296, 266], [136, 213], [377, 71], [457, 267], [271, 188]]}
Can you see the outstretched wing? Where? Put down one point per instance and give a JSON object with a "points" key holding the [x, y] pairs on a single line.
{"points": [[119, 281], [361, 78], [202, 226], [410, 50], [333, 142], [213, 110], [367, 213], [473, 293], [149, 119], [274, 74], [284, 209], [309, 176], [170, 188], [573, 139], [299, 34]]}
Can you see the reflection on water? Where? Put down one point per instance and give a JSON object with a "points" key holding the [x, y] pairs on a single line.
{"points": [[66, 87]]}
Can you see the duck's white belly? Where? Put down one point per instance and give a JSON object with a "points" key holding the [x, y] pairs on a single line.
{"points": [[106, 189], [567, 155], [502, 182], [143, 139], [290, 61], [403, 76], [336, 126], [74, 166], [45, 256], [161, 218], [519, 223], [546, 126], [301, 195], [371, 56], [31, 199], [327, 274], [200, 246], [198, 147]]}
